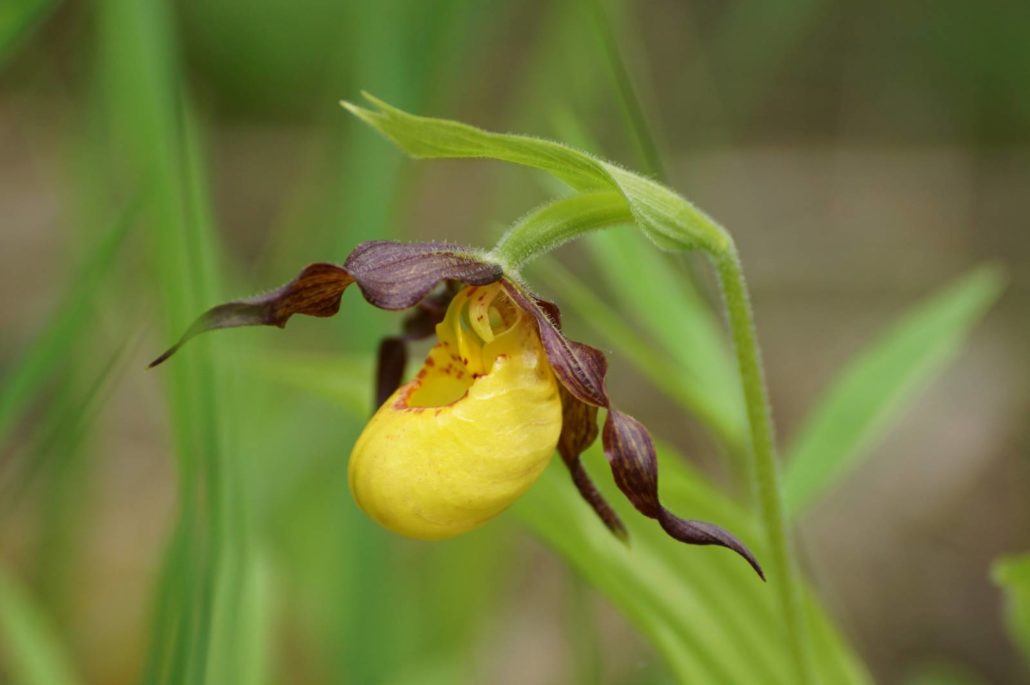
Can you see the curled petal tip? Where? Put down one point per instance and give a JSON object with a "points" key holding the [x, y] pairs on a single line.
{"points": [[754, 564], [164, 356], [704, 533]]}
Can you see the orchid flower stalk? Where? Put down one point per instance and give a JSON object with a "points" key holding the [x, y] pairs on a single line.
{"points": [[502, 388]]}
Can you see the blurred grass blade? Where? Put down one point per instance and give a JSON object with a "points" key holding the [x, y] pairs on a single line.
{"points": [[18, 18], [873, 389], [343, 380], [29, 647], [53, 345], [1012, 574], [753, 44], [57, 457], [242, 651], [58, 432], [629, 100], [156, 139]]}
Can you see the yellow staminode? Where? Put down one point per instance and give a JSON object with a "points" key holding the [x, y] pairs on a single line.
{"points": [[474, 429]]}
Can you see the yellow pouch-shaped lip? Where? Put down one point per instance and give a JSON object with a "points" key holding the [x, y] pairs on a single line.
{"points": [[457, 445]]}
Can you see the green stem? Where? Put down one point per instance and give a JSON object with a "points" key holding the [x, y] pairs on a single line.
{"points": [[554, 224], [783, 572]]}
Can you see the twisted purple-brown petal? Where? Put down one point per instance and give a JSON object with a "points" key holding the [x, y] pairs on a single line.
{"points": [[631, 454], [578, 432], [579, 367], [627, 444], [391, 275]]}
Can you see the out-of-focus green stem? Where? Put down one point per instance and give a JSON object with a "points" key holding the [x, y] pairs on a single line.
{"points": [[782, 573]]}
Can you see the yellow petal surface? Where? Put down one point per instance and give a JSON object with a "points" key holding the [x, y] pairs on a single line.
{"points": [[475, 428]]}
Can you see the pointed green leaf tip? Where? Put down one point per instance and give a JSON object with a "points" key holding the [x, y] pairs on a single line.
{"points": [[669, 220]]}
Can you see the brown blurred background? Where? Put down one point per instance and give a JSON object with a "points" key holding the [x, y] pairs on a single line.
{"points": [[863, 154]]}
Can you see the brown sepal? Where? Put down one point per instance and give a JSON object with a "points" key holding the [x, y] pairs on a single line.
{"points": [[391, 275], [395, 275], [315, 292]]}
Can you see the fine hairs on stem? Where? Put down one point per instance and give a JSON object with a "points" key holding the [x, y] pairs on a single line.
{"points": [[763, 448]]}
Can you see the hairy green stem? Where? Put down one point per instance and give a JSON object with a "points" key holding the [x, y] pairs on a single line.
{"points": [[550, 226], [783, 572]]}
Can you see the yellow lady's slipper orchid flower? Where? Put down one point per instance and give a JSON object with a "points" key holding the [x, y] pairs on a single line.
{"points": [[458, 444], [498, 393]]}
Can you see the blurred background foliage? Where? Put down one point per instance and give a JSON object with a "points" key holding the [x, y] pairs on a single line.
{"points": [[194, 525]]}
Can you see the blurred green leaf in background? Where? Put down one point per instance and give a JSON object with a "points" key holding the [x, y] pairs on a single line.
{"points": [[194, 524], [29, 644], [18, 18], [872, 390], [1012, 575]]}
